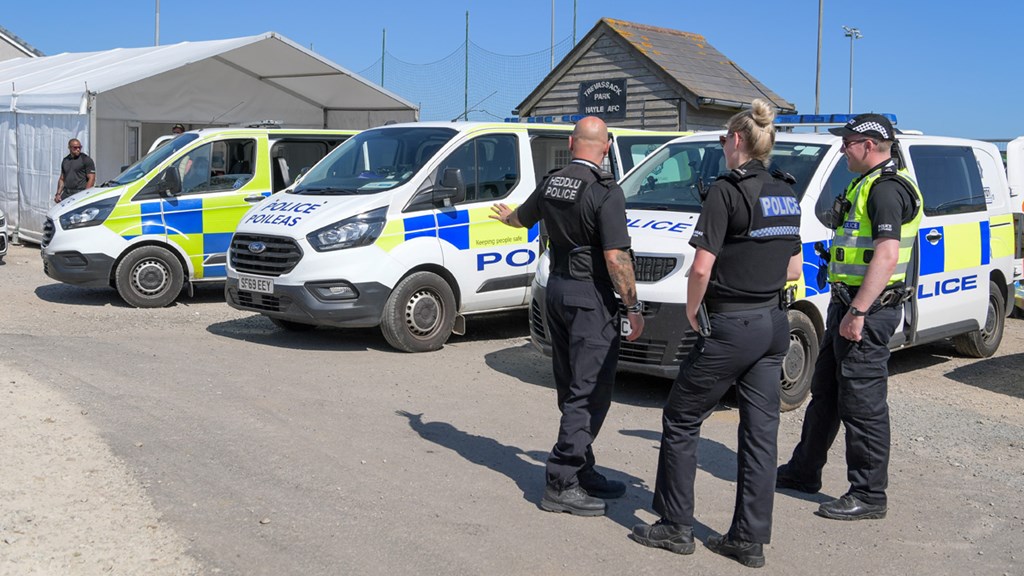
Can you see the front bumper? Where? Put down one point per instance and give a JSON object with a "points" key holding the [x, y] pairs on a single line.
{"points": [[299, 304], [3, 243], [664, 344], [79, 269]]}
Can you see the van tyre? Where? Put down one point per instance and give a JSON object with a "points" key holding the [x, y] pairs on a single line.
{"points": [[149, 277], [798, 366], [984, 342], [420, 313], [290, 325]]}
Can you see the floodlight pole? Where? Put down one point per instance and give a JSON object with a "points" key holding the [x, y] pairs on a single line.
{"points": [[156, 38], [852, 34]]}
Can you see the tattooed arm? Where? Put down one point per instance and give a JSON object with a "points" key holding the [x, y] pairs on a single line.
{"points": [[620, 268]]}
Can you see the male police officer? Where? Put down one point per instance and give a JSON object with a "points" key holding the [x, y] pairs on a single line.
{"points": [[585, 215], [77, 172], [876, 224]]}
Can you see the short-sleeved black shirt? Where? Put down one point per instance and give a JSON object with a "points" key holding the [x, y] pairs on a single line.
{"points": [[581, 206], [889, 206], [76, 171]]}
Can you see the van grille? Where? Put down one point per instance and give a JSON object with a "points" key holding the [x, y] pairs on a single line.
{"points": [[537, 320], [48, 232], [255, 301], [280, 256], [653, 352], [653, 268]]}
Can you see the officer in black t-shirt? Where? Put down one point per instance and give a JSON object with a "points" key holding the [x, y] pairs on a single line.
{"points": [[77, 172], [584, 212], [747, 246]]}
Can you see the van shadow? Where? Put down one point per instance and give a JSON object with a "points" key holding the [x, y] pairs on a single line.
{"points": [[494, 326], [527, 365], [257, 329], [919, 357], [526, 469], [1001, 374], [59, 293]]}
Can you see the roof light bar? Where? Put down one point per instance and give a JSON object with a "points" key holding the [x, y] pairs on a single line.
{"points": [[565, 118], [822, 118]]}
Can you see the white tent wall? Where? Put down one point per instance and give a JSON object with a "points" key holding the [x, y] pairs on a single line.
{"points": [[360, 119], [9, 168], [109, 151], [42, 144]]}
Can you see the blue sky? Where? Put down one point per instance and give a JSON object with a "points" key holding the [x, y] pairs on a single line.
{"points": [[941, 66]]}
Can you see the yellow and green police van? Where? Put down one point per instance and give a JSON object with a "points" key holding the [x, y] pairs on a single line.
{"points": [[969, 250], [166, 221], [392, 229]]}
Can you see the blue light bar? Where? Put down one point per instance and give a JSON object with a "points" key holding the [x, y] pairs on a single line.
{"points": [[822, 118], [566, 118]]}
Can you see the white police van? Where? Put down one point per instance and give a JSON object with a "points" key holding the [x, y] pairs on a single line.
{"points": [[969, 255], [393, 229]]}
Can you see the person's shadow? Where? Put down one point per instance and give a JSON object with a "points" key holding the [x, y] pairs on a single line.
{"points": [[526, 469]]}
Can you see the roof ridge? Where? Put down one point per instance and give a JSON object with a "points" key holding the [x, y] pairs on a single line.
{"points": [[615, 23]]}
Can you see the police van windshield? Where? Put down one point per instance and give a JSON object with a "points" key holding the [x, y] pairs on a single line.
{"points": [[374, 161], [671, 178], [152, 160]]}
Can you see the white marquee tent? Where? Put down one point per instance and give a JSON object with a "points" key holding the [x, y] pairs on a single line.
{"points": [[118, 101]]}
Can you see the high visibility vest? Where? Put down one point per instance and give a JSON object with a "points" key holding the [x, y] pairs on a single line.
{"points": [[853, 246]]}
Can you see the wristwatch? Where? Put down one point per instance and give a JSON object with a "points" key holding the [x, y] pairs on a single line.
{"points": [[857, 313], [635, 308]]}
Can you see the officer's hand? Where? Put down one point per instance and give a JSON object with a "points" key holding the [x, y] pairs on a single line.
{"points": [[850, 327], [56, 198], [501, 212], [636, 325], [692, 317]]}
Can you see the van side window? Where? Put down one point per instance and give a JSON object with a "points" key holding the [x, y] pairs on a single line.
{"points": [[489, 165], [949, 179], [288, 159], [217, 166]]}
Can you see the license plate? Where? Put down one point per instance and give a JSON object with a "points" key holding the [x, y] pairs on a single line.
{"points": [[261, 285]]}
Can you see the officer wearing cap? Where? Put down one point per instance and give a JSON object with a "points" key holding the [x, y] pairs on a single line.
{"points": [[876, 225], [177, 129], [584, 212], [747, 242]]}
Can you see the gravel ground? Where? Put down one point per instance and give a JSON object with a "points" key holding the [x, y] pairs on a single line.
{"points": [[120, 458]]}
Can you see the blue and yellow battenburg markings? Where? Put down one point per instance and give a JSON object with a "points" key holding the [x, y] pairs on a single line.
{"points": [[962, 246], [464, 229], [200, 226]]}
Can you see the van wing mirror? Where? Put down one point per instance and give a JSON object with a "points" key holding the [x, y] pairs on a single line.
{"points": [[452, 188]]}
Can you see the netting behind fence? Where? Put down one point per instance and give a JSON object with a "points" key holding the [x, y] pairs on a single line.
{"points": [[497, 82]]}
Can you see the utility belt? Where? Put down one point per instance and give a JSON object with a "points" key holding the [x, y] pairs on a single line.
{"points": [[739, 306], [891, 297]]}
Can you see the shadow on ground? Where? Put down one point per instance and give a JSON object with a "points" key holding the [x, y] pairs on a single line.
{"points": [[258, 329], [1001, 374], [526, 469], [59, 293]]}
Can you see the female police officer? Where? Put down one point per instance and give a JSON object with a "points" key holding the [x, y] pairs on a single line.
{"points": [[747, 246]]}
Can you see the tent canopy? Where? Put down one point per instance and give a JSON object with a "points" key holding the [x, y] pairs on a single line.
{"points": [[193, 82]]}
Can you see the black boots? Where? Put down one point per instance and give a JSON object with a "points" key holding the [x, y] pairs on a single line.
{"points": [[573, 500], [747, 553], [851, 508], [598, 486], [665, 534]]}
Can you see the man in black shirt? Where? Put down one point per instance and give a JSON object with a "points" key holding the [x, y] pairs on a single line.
{"points": [[584, 212], [77, 172]]}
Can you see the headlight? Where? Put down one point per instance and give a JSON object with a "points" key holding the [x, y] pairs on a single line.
{"points": [[3, 221], [543, 267], [88, 215], [356, 231]]}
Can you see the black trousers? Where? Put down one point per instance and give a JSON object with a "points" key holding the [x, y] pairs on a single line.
{"points": [[584, 324], [850, 385], [747, 348]]}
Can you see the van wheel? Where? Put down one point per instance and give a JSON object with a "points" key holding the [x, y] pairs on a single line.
{"points": [[984, 342], [149, 277], [419, 314], [290, 325], [798, 366]]}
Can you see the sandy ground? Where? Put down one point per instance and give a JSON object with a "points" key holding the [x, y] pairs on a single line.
{"points": [[69, 505]]}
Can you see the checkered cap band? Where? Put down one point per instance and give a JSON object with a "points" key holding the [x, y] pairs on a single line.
{"points": [[872, 126]]}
